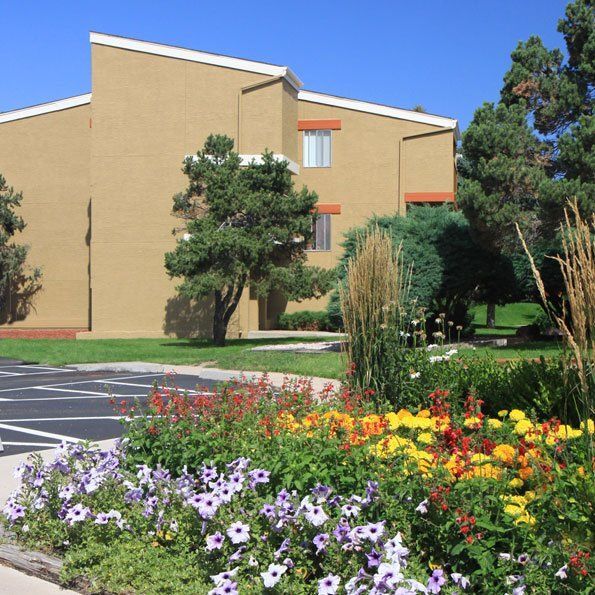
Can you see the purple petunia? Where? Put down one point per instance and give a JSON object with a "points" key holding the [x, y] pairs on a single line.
{"points": [[227, 587], [562, 572], [372, 531], [374, 558], [329, 585], [436, 581], [422, 507], [273, 575], [208, 507], [257, 476], [77, 514], [238, 532], [460, 580], [320, 542], [215, 541], [350, 510], [13, 511], [316, 515]]}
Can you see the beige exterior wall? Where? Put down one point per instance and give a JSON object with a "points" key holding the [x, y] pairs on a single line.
{"points": [[366, 173], [46, 157], [428, 163], [147, 112]]}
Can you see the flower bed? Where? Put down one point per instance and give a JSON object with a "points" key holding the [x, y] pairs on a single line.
{"points": [[322, 495]]}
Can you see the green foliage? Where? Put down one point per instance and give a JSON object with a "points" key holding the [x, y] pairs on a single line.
{"points": [[17, 283], [135, 566], [449, 270], [245, 227], [306, 320], [525, 157], [240, 422], [502, 170], [542, 387]]}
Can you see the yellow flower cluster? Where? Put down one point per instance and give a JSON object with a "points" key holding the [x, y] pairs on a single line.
{"points": [[418, 440], [516, 507]]}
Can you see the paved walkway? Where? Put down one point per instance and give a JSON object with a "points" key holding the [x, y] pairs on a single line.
{"points": [[291, 334], [214, 374], [13, 582]]}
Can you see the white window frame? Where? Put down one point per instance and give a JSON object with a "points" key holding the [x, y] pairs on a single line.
{"points": [[326, 233], [322, 132]]}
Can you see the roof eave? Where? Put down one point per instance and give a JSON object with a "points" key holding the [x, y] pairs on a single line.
{"points": [[45, 108], [170, 51]]}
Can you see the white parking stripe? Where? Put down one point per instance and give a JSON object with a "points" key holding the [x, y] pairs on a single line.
{"points": [[38, 433], [96, 417], [97, 396], [34, 367], [28, 374], [69, 390], [186, 390], [76, 382], [31, 444]]}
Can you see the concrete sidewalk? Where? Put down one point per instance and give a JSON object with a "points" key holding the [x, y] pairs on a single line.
{"points": [[216, 374], [13, 582]]}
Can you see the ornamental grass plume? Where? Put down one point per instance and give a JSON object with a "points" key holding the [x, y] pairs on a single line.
{"points": [[373, 301], [577, 319]]}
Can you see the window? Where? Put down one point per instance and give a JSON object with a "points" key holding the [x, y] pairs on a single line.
{"points": [[317, 148], [321, 233]]}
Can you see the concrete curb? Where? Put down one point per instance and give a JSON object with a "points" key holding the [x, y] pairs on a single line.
{"points": [[277, 378]]}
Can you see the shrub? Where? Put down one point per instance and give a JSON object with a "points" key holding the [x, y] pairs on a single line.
{"points": [[448, 268], [306, 320]]}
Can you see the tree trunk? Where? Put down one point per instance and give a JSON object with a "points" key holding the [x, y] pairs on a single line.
{"points": [[225, 305], [219, 322], [491, 315]]}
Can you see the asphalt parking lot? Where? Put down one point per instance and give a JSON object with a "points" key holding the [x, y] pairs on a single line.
{"points": [[41, 406]]}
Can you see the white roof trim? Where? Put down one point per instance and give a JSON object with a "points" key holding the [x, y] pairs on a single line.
{"points": [[246, 159], [148, 47], [292, 166], [380, 110], [45, 108]]}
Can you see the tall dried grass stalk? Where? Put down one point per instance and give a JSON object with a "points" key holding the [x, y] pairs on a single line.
{"points": [[577, 320], [373, 300]]}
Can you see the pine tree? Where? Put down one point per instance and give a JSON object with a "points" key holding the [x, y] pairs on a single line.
{"points": [[245, 227], [17, 282]]}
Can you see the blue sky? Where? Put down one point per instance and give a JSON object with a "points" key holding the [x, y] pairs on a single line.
{"points": [[448, 55]]}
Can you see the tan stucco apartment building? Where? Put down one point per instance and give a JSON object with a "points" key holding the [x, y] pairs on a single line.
{"points": [[98, 172]]}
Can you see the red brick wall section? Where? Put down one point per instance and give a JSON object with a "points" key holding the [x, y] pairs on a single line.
{"points": [[40, 333]]}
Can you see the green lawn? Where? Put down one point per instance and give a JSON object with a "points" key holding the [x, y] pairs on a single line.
{"points": [[508, 318], [528, 350], [235, 356]]}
